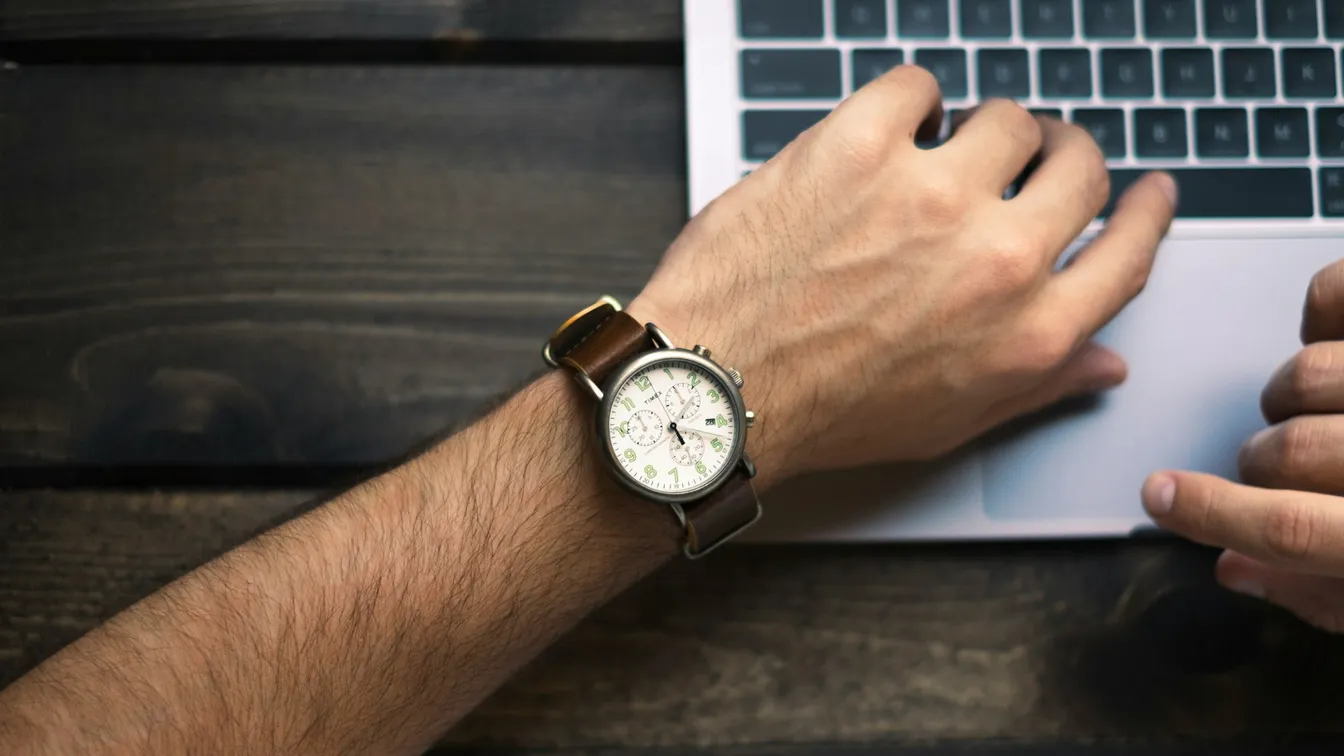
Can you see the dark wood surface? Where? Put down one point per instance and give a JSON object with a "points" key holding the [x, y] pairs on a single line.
{"points": [[571, 20], [299, 265], [214, 275]]}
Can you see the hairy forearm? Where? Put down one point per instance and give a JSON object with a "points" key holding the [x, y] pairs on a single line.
{"points": [[372, 623]]}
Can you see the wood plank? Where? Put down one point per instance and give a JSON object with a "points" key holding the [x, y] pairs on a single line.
{"points": [[277, 266], [761, 647], [466, 20]]}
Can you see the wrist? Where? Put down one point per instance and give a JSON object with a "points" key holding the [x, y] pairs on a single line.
{"points": [[687, 322]]}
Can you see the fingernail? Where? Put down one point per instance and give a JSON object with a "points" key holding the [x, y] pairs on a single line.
{"points": [[1159, 495], [1169, 187], [1246, 587]]}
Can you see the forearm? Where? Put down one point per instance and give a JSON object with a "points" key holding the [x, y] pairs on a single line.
{"points": [[370, 624]]}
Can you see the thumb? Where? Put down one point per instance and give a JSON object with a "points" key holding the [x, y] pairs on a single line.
{"points": [[1316, 599], [1092, 368]]}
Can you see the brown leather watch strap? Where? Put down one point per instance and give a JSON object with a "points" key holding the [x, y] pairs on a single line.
{"points": [[597, 340], [720, 515]]}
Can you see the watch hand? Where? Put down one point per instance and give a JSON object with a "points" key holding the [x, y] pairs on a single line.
{"points": [[712, 433], [673, 427]]}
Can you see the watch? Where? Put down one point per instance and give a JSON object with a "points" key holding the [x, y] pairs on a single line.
{"points": [[671, 423]]}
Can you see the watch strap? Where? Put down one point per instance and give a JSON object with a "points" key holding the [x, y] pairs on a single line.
{"points": [[724, 513], [597, 340]]}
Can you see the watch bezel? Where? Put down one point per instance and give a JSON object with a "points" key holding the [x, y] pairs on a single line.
{"points": [[735, 453]]}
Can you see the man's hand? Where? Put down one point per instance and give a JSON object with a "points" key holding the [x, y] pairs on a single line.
{"points": [[885, 302], [1284, 529]]}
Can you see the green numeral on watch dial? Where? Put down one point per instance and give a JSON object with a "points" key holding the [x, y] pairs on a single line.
{"points": [[673, 472], [713, 395], [669, 374], [628, 402], [630, 454], [700, 467], [695, 378], [716, 444], [643, 382], [621, 428], [649, 471], [721, 421]]}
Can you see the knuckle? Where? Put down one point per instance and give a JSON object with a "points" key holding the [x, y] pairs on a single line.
{"points": [[1297, 447], [864, 143], [1290, 531], [940, 198], [1011, 264], [1019, 124], [1310, 371], [1041, 346], [1323, 291], [917, 79]]}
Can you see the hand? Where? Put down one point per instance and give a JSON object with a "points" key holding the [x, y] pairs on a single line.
{"points": [[1284, 530], [885, 302]]}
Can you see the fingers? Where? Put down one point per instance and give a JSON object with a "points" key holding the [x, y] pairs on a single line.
{"points": [[1114, 268], [1291, 529], [1316, 599], [1323, 313], [1068, 188], [1093, 368], [1300, 454], [905, 101], [1312, 382], [994, 145]]}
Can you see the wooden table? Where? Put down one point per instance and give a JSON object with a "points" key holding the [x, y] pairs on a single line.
{"points": [[252, 251]]}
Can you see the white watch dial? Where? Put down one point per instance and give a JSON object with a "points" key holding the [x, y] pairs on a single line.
{"points": [[672, 426]]}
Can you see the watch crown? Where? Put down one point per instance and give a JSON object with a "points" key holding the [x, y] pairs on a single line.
{"points": [[703, 351], [736, 376], [751, 418]]}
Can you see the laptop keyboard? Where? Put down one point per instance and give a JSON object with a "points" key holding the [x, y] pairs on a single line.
{"points": [[1239, 99]]}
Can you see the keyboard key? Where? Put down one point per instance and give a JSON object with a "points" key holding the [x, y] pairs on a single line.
{"points": [[1334, 19], [1054, 113], [1108, 19], [949, 68], [1309, 72], [1187, 73], [1332, 192], [870, 64], [1248, 72], [1169, 19], [1221, 133], [1065, 73], [860, 18], [791, 73], [986, 19], [1159, 133], [765, 132], [1230, 19], [1127, 73], [1047, 19], [1330, 132], [1290, 19], [1282, 132], [1107, 126], [1004, 73], [924, 19], [780, 19], [1231, 192]]}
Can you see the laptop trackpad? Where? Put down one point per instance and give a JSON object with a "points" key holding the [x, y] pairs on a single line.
{"points": [[1215, 321]]}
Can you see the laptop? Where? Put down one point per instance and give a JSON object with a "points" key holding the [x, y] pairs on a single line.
{"points": [[1239, 99]]}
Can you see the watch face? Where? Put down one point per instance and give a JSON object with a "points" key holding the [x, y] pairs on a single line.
{"points": [[672, 425]]}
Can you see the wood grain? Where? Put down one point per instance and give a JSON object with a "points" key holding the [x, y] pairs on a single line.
{"points": [[567, 20], [760, 646], [293, 266]]}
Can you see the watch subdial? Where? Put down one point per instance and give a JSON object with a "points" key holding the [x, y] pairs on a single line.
{"points": [[690, 452], [645, 428], [682, 401]]}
